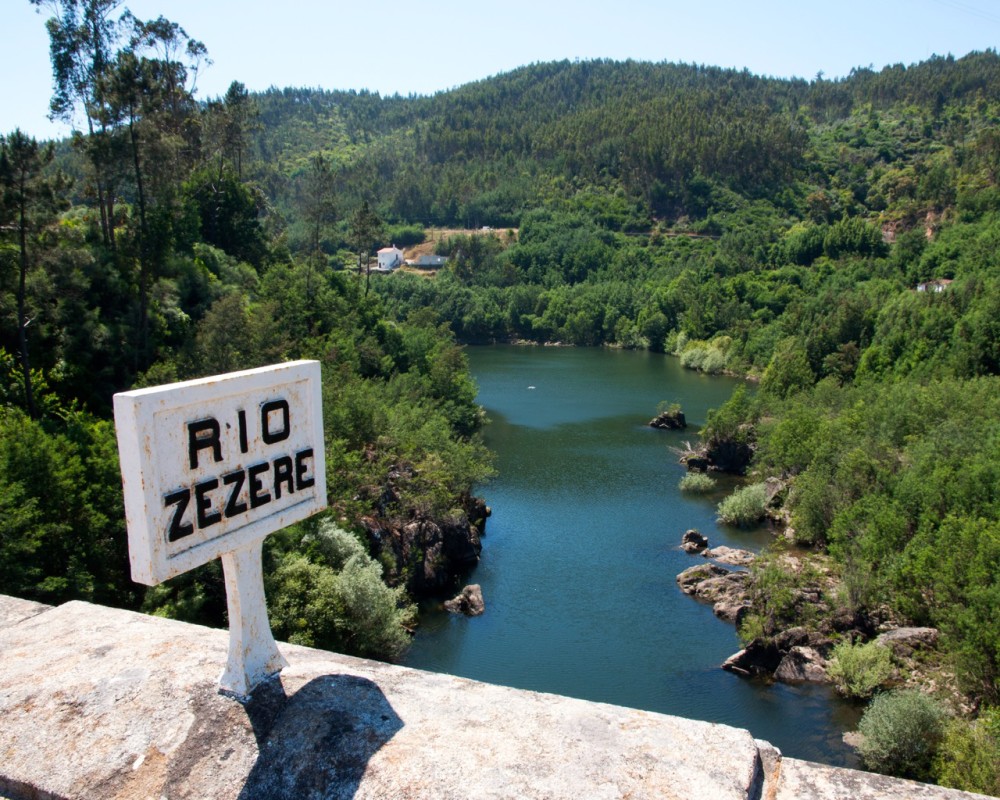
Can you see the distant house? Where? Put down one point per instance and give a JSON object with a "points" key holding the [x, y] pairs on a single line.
{"points": [[428, 261], [938, 285], [389, 258]]}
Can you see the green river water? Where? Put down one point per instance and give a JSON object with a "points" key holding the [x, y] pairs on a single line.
{"points": [[581, 553]]}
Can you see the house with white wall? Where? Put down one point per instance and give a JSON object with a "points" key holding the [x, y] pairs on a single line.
{"points": [[389, 258]]}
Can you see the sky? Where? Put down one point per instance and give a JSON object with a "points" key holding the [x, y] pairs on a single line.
{"points": [[415, 47]]}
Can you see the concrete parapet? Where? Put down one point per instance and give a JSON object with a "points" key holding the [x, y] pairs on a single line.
{"points": [[103, 703]]}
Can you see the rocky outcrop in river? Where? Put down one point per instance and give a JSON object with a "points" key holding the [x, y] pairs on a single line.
{"points": [[469, 601], [670, 420], [429, 556], [802, 652], [723, 588]]}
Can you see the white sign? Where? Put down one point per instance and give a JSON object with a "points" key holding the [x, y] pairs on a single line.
{"points": [[212, 465]]}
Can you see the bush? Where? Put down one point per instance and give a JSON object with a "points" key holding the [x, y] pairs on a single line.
{"points": [[901, 732], [697, 483], [338, 601], [707, 357], [713, 362], [969, 755], [859, 670], [744, 507]]}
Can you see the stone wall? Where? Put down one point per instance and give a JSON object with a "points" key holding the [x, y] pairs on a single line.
{"points": [[103, 703]]}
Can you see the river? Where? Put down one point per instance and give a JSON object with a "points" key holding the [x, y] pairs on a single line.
{"points": [[582, 550]]}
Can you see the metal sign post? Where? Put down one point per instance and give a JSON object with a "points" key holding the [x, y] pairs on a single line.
{"points": [[210, 467]]}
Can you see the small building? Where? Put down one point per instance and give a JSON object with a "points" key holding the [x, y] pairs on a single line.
{"points": [[428, 261], [938, 285], [389, 258]]}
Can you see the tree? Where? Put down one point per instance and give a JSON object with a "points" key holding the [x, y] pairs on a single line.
{"points": [[148, 100], [28, 203], [83, 35], [316, 202], [229, 123], [365, 230]]}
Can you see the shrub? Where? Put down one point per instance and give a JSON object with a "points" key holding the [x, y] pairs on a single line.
{"points": [[744, 507], [668, 407], [338, 601], [693, 356], [969, 755], [697, 483], [859, 670], [713, 362], [901, 732], [774, 597]]}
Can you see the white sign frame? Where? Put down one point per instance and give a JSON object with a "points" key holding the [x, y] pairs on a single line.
{"points": [[166, 446]]}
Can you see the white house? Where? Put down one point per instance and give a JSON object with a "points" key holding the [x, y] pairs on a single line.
{"points": [[938, 285], [389, 258]]}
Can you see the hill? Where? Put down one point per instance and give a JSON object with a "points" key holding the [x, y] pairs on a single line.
{"points": [[792, 231]]}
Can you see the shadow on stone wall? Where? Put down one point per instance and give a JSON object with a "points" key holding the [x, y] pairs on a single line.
{"points": [[316, 743]]}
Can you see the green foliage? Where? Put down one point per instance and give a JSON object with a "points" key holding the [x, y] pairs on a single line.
{"points": [[899, 482], [332, 596], [901, 731], [733, 419], [786, 245], [697, 483], [775, 598], [968, 757], [789, 371], [744, 507], [62, 526], [707, 357], [859, 670]]}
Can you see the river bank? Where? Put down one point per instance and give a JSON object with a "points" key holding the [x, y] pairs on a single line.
{"points": [[581, 552]]}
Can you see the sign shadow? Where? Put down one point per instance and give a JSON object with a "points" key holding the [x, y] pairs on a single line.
{"points": [[318, 741]]}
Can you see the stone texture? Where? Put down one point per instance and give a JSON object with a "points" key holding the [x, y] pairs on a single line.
{"points": [[99, 702], [801, 665], [669, 420], [689, 579], [693, 541], [755, 660], [904, 641], [103, 703], [804, 779], [733, 556], [469, 601], [14, 610]]}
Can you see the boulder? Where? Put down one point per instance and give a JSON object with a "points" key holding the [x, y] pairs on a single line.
{"points": [[690, 578], [693, 541], [727, 593], [469, 601], [732, 456], [669, 420], [730, 555], [801, 664], [722, 587], [803, 637], [431, 555], [730, 610], [903, 641], [755, 660], [696, 462], [725, 590], [775, 491]]}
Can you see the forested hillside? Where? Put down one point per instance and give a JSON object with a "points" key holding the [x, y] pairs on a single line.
{"points": [[141, 252], [836, 240]]}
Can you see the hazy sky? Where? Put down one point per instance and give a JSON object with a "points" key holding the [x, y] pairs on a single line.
{"points": [[423, 47]]}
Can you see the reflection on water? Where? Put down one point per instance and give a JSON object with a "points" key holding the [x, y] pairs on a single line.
{"points": [[582, 550]]}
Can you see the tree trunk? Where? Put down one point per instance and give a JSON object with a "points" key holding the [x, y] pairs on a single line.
{"points": [[22, 316]]}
